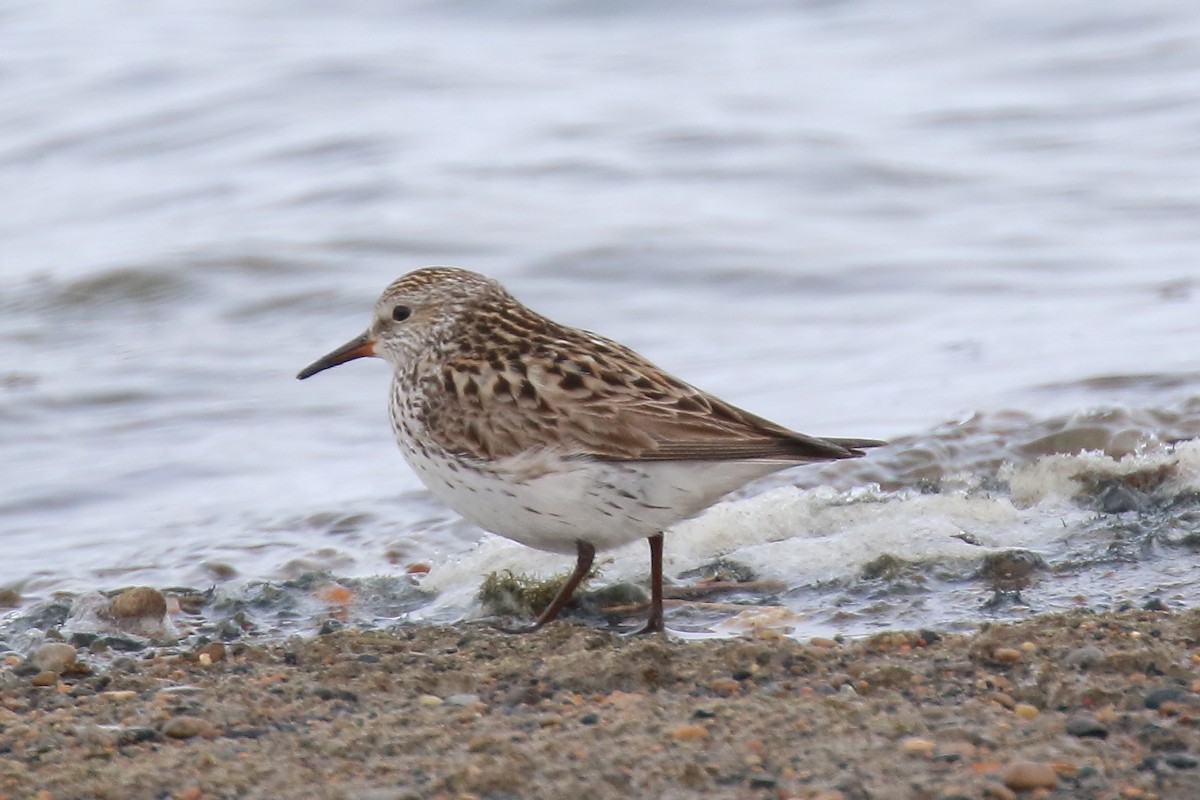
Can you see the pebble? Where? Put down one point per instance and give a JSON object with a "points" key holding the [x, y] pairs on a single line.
{"points": [[996, 791], [689, 733], [462, 699], [1025, 711], [762, 780], [137, 603], [1085, 657], [1159, 696], [1086, 727], [1181, 760], [9, 598], [185, 727], [136, 734], [822, 642], [725, 686], [1028, 775], [54, 657], [916, 746], [212, 652], [429, 700], [1006, 655], [45, 678]]}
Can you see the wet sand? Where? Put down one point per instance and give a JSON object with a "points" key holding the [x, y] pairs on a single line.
{"points": [[1073, 706]]}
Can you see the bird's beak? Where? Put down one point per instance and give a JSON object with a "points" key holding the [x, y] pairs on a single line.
{"points": [[361, 347]]}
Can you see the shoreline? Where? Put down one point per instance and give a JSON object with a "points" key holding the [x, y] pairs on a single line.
{"points": [[1068, 705]]}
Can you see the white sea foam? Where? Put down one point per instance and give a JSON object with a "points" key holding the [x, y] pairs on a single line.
{"points": [[814, 537]]}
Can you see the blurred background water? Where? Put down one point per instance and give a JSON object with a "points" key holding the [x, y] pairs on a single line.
{"points": [[971, 228]]}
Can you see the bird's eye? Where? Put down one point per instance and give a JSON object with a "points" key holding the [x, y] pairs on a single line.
{"points": [[401, 313]]}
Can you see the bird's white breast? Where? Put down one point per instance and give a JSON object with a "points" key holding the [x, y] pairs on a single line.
{"points": [[543, 500]]}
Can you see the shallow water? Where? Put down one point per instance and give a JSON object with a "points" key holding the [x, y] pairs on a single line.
{"points": [[962, 229]]}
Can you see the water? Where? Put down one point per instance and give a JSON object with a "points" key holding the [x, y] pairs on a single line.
{"points": [[967, 229]]}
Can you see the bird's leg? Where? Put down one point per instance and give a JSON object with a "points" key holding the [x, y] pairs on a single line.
{"points": [[584, 563], [655, 623]]}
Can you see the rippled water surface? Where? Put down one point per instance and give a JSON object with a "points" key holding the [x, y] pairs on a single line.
{"points": [[971, 230]]}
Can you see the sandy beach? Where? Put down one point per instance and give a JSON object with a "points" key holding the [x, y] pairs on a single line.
{"points": [[1083, 705]]}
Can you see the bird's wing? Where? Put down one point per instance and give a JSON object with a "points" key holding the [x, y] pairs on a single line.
{"points": [[586, 396]]}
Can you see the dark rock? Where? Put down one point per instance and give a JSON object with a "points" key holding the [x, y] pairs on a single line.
{"points": [[83, 638], [1160, 739], [928, 636], [1085, 657], [1116, 498], [1154, 604], [1181, 760], [124, 644], [136, 735], [1157, 697], [704, 713], [327, 627], [1086, 727], [589, 719], [762, 780], [742, 675]]}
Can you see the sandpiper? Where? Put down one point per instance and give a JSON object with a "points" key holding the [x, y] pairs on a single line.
{"points": [[556, 437]]}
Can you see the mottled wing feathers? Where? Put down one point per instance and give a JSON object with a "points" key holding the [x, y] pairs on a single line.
{"points": [[542, 385]]}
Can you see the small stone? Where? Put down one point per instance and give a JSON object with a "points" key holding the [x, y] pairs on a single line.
{"points": [[1006, 655], [689, 733], [1159, 696], [1086, 727], [1025, 711], [137, 603], [462, 699], [1024, 776], [1084, 657], [9, 597], [704, 713], [725, 686], [916, 746], [215, 651], [184, 727], [1181, 760], [996, 791], [822, 642], [589, 719], [429, 700], [54, 657], [417, 568], [762, 780], [136, 735], [45, 678]]}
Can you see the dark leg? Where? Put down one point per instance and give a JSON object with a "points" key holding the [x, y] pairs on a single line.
{"points": [[655, 623], [584, 563]]}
